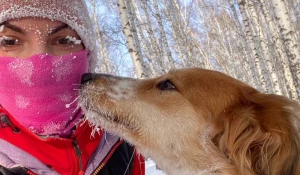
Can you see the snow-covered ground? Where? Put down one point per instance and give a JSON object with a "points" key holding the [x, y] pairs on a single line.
{"points": [[151, 168]]}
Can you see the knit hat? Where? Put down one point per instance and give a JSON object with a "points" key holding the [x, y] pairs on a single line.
{"points": [[71, 12]]}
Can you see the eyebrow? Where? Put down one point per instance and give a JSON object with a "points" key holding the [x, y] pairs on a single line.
{"points": [[59, 28], [19, 30], [12, 27]]}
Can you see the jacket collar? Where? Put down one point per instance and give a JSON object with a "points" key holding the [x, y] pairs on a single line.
{"points": [[57, 153]]}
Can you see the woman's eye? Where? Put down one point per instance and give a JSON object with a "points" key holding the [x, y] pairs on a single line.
{"points": [[64, 41], [68, 40], [6, 41]]}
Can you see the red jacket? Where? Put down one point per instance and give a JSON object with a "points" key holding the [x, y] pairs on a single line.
{"points": [[65, 156]]}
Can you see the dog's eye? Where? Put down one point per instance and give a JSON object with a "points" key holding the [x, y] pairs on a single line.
{"points": [[166, 85]]}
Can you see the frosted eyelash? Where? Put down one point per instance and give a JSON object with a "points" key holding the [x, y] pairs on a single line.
{"points": [[1, 28], [6, 38], [74, 40]]}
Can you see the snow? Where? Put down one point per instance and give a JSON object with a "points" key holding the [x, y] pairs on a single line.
{"points": [[74, 40], [151, 168], [22, 102], [24, 75], [62, 68], [1, 28]]}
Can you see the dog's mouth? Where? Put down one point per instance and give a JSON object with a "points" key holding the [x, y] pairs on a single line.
{"points": [[94, 112], [115, 118]]}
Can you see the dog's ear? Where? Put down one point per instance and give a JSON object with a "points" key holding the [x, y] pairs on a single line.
{"points": [[260, 134]]}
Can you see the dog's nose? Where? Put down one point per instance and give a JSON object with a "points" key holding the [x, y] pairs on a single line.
{"points": [[86, 78]]}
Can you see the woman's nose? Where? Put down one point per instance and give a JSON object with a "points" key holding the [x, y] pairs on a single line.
{"points": [[40, 48]]}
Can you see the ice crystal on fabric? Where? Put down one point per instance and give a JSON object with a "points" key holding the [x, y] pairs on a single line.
{"points": [[22, 102], [23, 69], [65, 97], [62, 69]]}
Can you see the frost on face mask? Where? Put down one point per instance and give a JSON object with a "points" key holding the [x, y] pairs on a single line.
{"points": [[43, 79], [23, 69]]}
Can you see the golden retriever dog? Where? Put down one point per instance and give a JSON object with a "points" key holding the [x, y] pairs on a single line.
{"points": [[194, 121]]}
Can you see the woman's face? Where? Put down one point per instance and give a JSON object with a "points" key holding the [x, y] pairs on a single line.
{"points": [[22, 38]]}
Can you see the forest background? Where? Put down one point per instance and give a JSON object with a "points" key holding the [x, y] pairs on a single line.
{"points": [[255, 41]]}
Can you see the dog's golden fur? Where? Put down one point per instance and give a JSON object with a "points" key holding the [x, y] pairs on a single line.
{"points": [[196, 121]]}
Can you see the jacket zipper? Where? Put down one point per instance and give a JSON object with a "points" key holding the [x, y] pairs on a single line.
{"points": [[78, 153], [5, 122], [97, 170]]}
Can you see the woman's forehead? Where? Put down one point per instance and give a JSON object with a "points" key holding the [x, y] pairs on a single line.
{"points": [[40, 26], [29, 23]]}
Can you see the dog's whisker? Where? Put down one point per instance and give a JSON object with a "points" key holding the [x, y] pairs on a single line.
{"points": [[78, 107], [94, 89], [69, 104]]}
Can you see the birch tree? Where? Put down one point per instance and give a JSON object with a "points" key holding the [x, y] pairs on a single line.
{"points": [[256, 41], [163, 35], [103, 56], [288, 78], [250, 69], [133, 49], [262, 43], [289, 39], [249, 35]]}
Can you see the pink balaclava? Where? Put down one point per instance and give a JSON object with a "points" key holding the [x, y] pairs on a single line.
{"points": [[41, 91]]}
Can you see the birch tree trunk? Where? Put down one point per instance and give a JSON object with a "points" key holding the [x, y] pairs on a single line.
{"points": [[132, 13], [247, 54], [289, 40], [225, 55], [172, 13], [261, 58], [148, 52], [152, 48], [292, 92], [273, 85], [254, 49], [134, 51], [204, 46], [148, 41], [103, 57], [163, 35]]}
